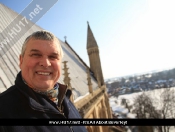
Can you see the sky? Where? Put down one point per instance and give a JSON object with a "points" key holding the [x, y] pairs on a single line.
{"points": [[133, 36]]}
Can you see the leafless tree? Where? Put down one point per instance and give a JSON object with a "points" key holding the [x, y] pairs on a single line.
{"points": [[157, 104], [123, 101]]}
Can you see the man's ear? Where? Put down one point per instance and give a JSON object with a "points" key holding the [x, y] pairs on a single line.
{"points": [[20, 61]]}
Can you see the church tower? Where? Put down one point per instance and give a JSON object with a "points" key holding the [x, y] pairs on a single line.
{"points": [[94, 58]]}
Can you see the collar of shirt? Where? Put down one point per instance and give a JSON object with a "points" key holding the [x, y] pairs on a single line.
{"points": [[52, 94]]}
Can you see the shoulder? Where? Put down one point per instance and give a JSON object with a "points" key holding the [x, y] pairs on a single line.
{"points": [[10, 91], [9, 97]]}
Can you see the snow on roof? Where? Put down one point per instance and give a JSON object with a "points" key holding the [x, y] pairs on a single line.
{"points": [[80, 97], [130, 115], [120, 109]]}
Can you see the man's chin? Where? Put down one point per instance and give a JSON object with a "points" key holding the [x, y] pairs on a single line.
{"points": [[44, 86]]}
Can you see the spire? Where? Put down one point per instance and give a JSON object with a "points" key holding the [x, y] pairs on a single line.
{"points": [[94, 58], [65, 39], [91, 42]]}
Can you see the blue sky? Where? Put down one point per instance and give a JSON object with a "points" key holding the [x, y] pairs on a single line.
{"points": [[133, 36]]}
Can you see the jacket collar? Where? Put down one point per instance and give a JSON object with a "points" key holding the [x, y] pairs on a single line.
{"points": [[37, 101]]}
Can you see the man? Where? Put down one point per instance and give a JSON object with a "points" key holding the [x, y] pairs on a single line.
{"points": [[36, 93]]}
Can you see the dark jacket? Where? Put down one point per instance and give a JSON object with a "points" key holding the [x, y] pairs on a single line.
{"points": [[20, 101]]}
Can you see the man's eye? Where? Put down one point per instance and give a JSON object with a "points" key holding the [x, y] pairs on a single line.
{"points": [[53, 57]]}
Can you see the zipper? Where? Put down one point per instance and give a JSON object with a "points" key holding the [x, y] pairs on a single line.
{"points": [[59, 108]]}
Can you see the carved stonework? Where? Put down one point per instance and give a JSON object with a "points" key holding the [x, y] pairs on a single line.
{"points": [[66, 75], [67, 79], [87, 106], [93, 50], [89, 81], [98, 80]]}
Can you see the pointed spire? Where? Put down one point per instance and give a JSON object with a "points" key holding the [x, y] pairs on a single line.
{"points": [[91, 42], [65, 39]]}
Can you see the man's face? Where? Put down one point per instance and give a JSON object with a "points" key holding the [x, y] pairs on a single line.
{"points": [[41, 64]]}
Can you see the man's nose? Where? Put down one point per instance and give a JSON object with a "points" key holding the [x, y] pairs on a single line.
{"points": [[45, 62]]}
